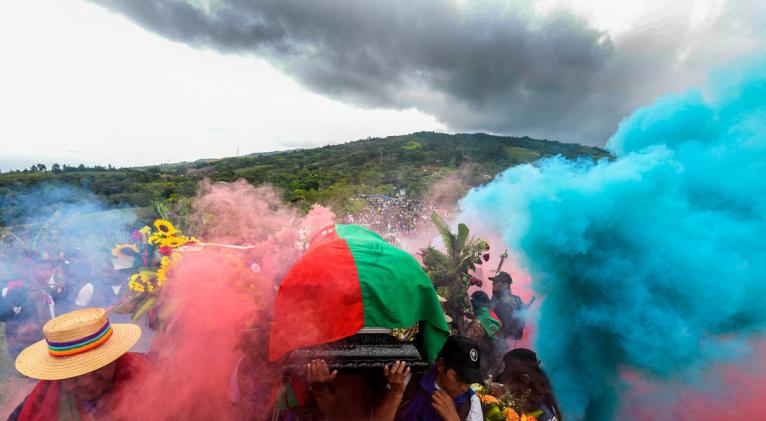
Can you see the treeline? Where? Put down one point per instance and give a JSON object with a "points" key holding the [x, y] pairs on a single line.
{"points": [[333, 175], [58, 169]]}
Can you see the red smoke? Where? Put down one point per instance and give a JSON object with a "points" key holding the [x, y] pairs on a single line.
{"points": [[217, 302]]}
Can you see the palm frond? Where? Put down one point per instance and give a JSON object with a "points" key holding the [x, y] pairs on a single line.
{"points": [[462, 236], [447, 236]]}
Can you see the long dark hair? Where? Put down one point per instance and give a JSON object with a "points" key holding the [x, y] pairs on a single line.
{"points": [[522, 368]]}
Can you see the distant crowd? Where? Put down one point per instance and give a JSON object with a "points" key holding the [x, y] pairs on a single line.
{"points": [[393, 217]]}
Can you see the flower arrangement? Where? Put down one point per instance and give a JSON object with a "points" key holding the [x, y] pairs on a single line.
{"points": [[157, 255], [498, 405]]}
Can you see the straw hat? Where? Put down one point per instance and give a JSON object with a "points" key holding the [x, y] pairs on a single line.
{"points": [[76, 343]]}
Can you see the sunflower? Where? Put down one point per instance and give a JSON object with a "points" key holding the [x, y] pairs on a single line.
{"points": [[164, 227], [125, 250], [155, 238], [135, 285], [146, 276], [173, 241]]}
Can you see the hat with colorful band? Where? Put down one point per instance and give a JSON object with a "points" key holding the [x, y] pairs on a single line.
{"points": [[76, 343]]}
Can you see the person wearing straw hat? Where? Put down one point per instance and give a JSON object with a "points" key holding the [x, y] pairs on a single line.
{"points": [[83, 364]]}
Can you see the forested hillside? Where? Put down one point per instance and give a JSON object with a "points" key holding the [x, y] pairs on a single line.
{"points": [[330, 175]]}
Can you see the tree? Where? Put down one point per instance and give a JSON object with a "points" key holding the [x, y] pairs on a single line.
{"points": [[56, 168], [41, 167], [450, 271]]}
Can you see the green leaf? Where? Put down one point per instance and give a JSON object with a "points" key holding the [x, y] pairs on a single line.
{"points": [[462, 236], [143, 308], [126, 307], [447, 236]]}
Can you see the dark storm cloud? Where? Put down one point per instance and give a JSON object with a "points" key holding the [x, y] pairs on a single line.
{"points": [[487, 66]]}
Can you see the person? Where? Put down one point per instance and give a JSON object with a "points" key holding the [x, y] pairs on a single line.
{"points": [[509, 307], [485, 329], [345, 396], [83, 365], [526, 382], [24, 309], [442, 393], [253, 378]]}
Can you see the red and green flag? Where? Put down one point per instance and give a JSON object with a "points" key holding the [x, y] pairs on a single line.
{"points": [[348, 279]]}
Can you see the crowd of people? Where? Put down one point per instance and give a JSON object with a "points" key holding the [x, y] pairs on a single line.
{"points": [[86, 383], [39, 285], [393, 217], [57, 331]]}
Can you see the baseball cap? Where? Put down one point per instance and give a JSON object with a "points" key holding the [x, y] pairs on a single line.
{"points": [[502, 277], [462, 355]]}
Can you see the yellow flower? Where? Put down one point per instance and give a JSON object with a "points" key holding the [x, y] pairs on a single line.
{"points": [[165, 227], [134, 285], [173, 242], [510, 415], [161, 276], [145, 230], [125, 250], [155, 238]]}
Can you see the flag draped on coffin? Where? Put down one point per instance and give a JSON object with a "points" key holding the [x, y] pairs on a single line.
{"points": [[351, 278]]}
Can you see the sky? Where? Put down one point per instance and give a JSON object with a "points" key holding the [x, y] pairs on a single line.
{"points": [[133, 83]]}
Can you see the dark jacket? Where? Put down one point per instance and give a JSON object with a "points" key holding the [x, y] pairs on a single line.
{"points": [[510, 309]]}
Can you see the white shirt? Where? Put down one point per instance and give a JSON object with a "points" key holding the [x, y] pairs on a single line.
{"points": [[475, 414]]}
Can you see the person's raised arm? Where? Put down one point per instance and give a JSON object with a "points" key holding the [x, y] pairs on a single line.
{"points": [[320, 383], [396, 374]]}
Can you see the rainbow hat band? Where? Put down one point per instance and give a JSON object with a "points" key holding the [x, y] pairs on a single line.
{"points": [[63, 349]]}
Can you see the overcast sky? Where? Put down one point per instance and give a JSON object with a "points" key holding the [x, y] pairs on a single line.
{"points": [[141, 82]]}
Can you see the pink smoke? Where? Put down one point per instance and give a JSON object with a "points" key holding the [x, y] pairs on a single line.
{"points": [[217, 301], [732, 390]]}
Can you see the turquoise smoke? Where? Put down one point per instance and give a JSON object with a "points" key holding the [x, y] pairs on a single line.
{"points": [[646, 260]]}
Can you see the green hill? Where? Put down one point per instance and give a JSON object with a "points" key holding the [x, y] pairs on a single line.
{"points": [[330, 175]]}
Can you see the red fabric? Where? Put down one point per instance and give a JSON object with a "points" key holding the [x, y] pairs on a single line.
{"points": [[42, 404], [495, 316], [300, 389], [319, 300]]}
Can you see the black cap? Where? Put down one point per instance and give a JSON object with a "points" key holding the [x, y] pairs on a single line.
{"points": [[480, 298], [502, 277], [522, 354], [462, 355]]}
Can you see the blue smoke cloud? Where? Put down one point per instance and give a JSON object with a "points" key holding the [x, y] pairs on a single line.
{"points": [[647, 260], [55, 218]]}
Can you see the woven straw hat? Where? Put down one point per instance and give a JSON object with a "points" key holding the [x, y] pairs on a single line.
{"points": [[76, 343]]}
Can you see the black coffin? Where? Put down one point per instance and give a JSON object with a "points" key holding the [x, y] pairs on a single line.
{"points": [[360, 352]]}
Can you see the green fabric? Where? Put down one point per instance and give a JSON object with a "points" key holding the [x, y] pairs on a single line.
{"points": [[287, 398], [68, 407], [396, 292], [489, 323]]}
